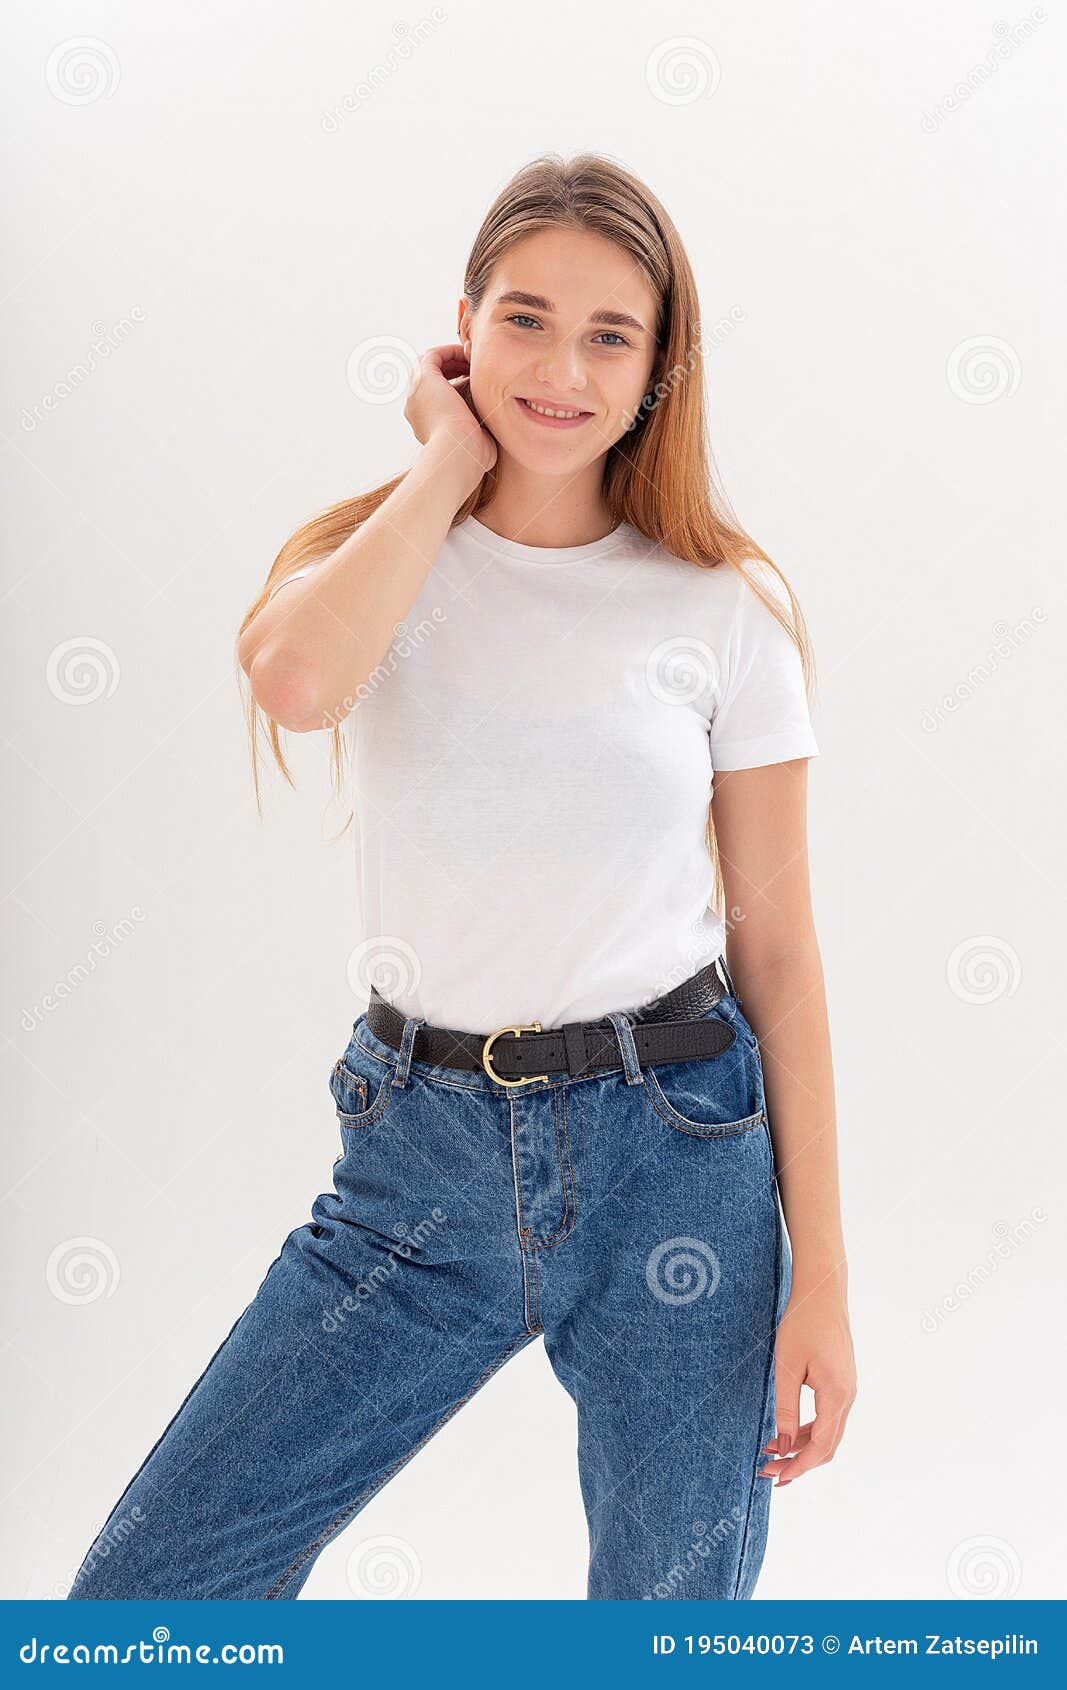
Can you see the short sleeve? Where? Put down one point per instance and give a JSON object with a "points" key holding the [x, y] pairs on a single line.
{"points": [[305, 569], [761, 713]]}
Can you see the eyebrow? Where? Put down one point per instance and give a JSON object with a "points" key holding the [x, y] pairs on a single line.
{"points": [[537, 302]]}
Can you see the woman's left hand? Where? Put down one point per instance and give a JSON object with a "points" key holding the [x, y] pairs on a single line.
{"points": [[813, 1347]]}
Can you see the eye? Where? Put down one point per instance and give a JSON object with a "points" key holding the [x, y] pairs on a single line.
{"points": [[514, 318], [620, 338]]}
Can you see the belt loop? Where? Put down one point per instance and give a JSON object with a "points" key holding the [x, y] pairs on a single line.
{"points": [[623, 1032], [727, 977], [412, 1023]]}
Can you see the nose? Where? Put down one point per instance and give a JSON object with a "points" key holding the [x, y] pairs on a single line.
{"points": [[561, 369]]}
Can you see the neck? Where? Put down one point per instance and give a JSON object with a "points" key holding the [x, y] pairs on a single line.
{"points": [[552, 511]]}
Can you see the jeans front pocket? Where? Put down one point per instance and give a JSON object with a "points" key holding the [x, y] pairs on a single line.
{"points": [[712, 1097]]}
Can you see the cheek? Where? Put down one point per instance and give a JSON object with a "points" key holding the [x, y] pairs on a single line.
{"points": [[496, 362]]}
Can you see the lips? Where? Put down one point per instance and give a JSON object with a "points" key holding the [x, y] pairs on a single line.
{"points": [[526, 407]]}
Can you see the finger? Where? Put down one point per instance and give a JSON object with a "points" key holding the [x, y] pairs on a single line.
{"points": [[787, 1383], [826, 1434], [802, 1437], [779, 1462], [449, 358]]}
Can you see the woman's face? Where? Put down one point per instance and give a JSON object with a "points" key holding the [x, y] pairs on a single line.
{"points": [[581, 339]]}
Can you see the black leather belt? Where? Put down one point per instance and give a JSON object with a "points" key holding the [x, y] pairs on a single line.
{"points": [[669, 1029]]}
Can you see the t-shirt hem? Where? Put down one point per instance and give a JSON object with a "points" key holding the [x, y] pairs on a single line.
{"points": [[756, 753]]}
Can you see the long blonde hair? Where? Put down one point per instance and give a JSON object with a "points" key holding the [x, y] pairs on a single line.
{"points": [[659, 477]]}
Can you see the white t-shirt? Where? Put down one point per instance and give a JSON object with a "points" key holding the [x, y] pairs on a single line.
{"points": [[531, 767]]}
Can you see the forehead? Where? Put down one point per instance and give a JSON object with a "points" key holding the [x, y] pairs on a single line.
{"points": [[580, 273]]}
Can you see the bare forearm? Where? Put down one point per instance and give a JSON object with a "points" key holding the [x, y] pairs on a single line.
{"points": [[313, 646], [785, 1002]]}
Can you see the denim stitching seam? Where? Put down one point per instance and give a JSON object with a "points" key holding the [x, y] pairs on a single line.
{"points": [[767, 1375]]}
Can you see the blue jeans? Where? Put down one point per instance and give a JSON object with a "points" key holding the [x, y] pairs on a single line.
{"points": [[630, 1217]]}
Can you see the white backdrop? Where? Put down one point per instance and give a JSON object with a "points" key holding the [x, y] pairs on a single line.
{"points": [[212, 209]]}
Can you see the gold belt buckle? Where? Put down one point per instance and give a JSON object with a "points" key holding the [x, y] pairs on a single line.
{"points": [[487, 1061]]}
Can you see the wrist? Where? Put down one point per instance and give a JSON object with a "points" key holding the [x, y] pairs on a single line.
{"points": [[450, 464], [819, 1276]]}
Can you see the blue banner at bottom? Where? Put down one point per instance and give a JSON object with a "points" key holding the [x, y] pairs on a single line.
{"points": [[447, 1644]]}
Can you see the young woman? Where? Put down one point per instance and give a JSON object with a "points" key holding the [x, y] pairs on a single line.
{"points": [[534, 651]]}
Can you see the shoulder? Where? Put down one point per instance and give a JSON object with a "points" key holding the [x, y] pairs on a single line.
{"points": [[711, 578]]}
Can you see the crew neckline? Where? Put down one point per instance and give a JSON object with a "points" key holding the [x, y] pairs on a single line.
{"points": [[543, 556]]}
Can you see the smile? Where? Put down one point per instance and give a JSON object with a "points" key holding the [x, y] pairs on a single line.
{"points": [[552, 416]]}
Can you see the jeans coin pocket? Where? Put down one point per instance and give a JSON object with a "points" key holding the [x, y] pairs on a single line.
{"points": [[358, 1101]]}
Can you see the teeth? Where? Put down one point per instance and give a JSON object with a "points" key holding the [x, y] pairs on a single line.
{"points": [[543, 410]]}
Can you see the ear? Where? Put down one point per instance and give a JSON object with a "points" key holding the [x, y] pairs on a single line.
{"points": [[463, 324]]}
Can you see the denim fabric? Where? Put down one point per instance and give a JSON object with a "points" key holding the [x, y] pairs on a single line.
{"points": [[630, 1218]]}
